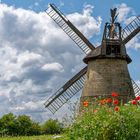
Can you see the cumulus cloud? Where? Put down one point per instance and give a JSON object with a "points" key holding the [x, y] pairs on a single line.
{"points": [[37, 57], [53, 67], [134, 43], [124, 11], [85, 22], [126, 15]]}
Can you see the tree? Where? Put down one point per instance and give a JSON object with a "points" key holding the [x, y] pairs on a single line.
{"points": [[35, 129], [24, 125], [8, 124]]}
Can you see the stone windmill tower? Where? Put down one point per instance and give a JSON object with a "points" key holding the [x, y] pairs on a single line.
{"points": [[106, 69]]}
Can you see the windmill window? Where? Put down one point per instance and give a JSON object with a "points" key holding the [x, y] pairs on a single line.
{"points": [[115, 49]]}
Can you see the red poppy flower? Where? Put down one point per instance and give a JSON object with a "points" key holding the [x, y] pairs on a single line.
{"points": [[109, 100], [134, 102], [116, 108], [116, 102], [102, 102], [85, 103], [114, 94], [137, 98]]}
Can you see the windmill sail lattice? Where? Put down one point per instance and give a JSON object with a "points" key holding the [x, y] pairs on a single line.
{"points": [[131, 30], [136, 88], [73, 86], [69, 28]]}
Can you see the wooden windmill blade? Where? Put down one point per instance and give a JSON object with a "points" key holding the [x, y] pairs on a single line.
{"points": [[136, 88], [66, 92], [69, 28], [132, 29]]}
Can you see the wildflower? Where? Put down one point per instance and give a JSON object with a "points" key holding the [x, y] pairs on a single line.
{"points": [[116, 102], [109, 100], [134, 102], [102, 102], [95, 111], [85, 103], [114, 94], [137, 98], [109, 111], [116, 108]]}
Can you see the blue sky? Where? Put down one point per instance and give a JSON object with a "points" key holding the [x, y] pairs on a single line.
{"points": [[101, 8], [32, 63]]}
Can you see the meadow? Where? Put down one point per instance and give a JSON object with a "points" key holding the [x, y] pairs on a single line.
{"points": [[43, 137], [102, 119]]}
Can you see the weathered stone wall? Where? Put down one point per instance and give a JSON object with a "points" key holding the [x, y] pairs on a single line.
{"points": [[105, 76]]}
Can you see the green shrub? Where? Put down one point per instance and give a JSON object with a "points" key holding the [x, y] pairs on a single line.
{"points": [[52, 127], [107, 122]]}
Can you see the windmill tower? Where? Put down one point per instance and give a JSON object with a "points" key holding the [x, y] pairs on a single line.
{"points": [[106, 69], [107, 65]]}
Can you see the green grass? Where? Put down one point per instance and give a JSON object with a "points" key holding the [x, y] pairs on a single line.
{"points": [[44, 137]]}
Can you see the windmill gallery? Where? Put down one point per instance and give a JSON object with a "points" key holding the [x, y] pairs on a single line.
{"points": [[106, 69]]}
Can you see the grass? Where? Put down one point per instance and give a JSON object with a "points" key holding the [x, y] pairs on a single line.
{"points": [[44, 137]]}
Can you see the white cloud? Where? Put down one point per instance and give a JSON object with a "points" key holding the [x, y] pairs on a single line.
{"points": [[88, 9], [53, 67], [134, 43], [85, 22], [124, 11], [129, 19], [126, 15], [37, 57]]}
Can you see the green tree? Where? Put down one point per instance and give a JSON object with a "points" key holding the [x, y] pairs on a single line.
{"points": [[8, 124], [52, 127], [35, 129], [24, 125]]}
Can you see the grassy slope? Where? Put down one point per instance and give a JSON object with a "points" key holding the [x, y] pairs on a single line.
{"points": [[47, 137]]}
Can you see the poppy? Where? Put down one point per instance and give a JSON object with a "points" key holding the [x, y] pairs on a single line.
{"points": [[134, 102], [116, 108], [109, 100], [102, 102], [116, 102], [85, 103], [114, 94], [137, 98]]}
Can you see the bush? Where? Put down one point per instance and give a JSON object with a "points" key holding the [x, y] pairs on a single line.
{"points": [[107, 121], [52, 127], [11, 125]]}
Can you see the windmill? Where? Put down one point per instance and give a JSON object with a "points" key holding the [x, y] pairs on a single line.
{"points": [[106, 69]]}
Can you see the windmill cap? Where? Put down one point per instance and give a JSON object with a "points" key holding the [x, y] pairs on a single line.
{"points": [[97, 54]]}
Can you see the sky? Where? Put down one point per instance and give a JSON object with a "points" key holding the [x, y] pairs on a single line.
{"points": [[37, 57]]}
